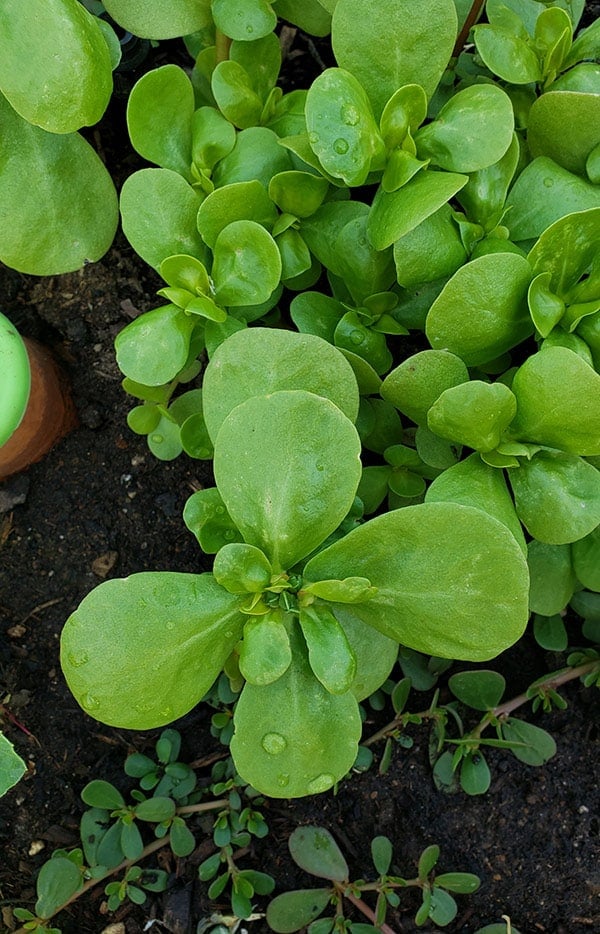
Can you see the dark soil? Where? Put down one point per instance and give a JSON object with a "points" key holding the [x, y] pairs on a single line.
{"points": [[101, 504]]}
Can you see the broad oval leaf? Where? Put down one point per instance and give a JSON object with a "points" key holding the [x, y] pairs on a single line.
{"points": [[244, 20], [15, 378], [69, 216], [141, 651], [258, 361], [315, 851], [507, 55], [567, 249], [160, 109], [55, 66], [557, 496], [158, 213], [475, 414], [265, 652], [558, 402], [482, 311], [451, 581], [535, 746], [472, 131], [57, 881], [394, 214], [154, 348], [553, 578], [329, 653], [548, 117], [386, 46], [291, 911], [246, 264], [414, 385], [375, 653], [235, 202], [544, 192], [282, 743], [586, 560], [12, 767], [241, 568], [179, 18], [482, 689], [287, 466]]}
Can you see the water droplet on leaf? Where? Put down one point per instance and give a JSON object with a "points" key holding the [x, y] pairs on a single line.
{"points": [[341, 146], [88, 702], [157, 439], [313, 138], [170, 625], [350, 115], [78, 660], [357, 337], [283, 779], [320, 783], [273, 743], [548, 182], [229, 534]]}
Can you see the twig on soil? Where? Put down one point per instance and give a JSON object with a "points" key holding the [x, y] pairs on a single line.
{"points": [[40, 607]]}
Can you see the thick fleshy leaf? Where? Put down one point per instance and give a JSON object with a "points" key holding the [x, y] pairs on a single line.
{"points": [[296, 437], [484, 194], [509, 56], [480, 689], [154, 348], [141, 651], [475, 414], [69, 216], [557, 496], [375, 653], [160, 109], [213, 137], [235, 202], [55, 67], [473, 483], [265, 652], [311, 16], [430, 251], [394, 214], [329, 653], [472, 131], [567, 250], [283, 741], [342, 131], [15, 378], [179, 18], [543, 193], [241, 568], [586, 560], [58, 879], [315, 851], [12, 767], [451, 581], [386, 45], [246, 264], [298, 193], [548, 117], [482, 311], [235, 95], [553, 579], [291, 911], [558, 402], [414, 385], [538, 746], [158, 212], [256, 155], [245, 19], [258, 361]]}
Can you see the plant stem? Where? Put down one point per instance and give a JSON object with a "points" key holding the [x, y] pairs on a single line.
{"points": [[368, 912], [471, 19], [126, 863], [222, 46]]}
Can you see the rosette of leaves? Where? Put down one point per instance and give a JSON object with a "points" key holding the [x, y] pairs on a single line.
{"points": [[56, 62], [301, 618]]}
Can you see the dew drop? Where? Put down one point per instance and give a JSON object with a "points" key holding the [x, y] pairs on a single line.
{"points": [[320, 783], [273, 743], [229, 534], [170, 625], [548, 182], [313, 138], [167, 712], [341, 146], [88, 702], [357, 337], [219, 510], [249, 29], [283, 779], [157, 439], [78, 660], [320, 467], [349, 115]]}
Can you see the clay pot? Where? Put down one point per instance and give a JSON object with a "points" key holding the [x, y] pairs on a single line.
{"points": [[49, 416]]}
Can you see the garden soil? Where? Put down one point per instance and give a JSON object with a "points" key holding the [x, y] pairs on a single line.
{"points": [[99, 506]]}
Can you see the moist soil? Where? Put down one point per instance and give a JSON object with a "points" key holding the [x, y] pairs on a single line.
{"points": [[100, 505]]}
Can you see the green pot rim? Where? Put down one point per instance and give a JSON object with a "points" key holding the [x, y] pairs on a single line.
{"points": [[15, 379]]}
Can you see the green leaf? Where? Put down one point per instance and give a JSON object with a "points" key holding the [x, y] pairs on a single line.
{"points": [[464, 883], [443, 908], [550, 633], [245, 20], [55, 67], [414, 385], [394, 214], [246, 265], [507, 55], [436, 592], [482, 311], [265, 652], [552, 575], [549, 115], [539, 745], [258, 361], [309, 15], [304, 438], [101, 794], [58, 879], [557, 496], [181, 838], [241, 568], [484, 194], [158, 212], [387, 46], [207, 519], [472, 131], [558, 402], [180, 18], [235, 202], [141, 651], [475, 775], [329, 653], [282, 743], [257, 154], [586, 560], [298, 193], [375, 654], [155, 809], [350, 590], [566, 251], [131, 841], [427, 861], [69, 217], [475, 414], [341, 127], [473, 483], [546, 308], [381, 854], [235, 95], [292, 911], [160, 109], [430, 251], [315, 851], [481, 689], [12, 767], [213, 137], [167, 327]]}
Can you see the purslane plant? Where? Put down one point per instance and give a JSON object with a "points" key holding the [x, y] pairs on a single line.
{"points": [[301, 621]]}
